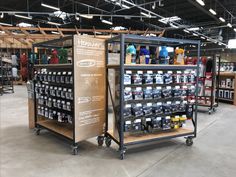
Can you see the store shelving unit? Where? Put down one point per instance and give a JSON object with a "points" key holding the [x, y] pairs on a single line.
{"points": [[117, 133], [227, 90], [211, 101], [6, 78], [61, 104]]}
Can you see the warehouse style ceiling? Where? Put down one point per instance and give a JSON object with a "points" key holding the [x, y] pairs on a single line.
{"points": [[212, 21]]}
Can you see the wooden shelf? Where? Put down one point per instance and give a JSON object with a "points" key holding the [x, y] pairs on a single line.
{"points": [[129, 139], [64, 129], [227, 74]]}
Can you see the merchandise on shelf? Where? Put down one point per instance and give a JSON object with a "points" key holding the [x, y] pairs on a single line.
{"points": [[127, 77]]}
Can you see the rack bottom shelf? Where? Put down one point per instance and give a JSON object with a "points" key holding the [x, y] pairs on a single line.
{"points": [[57, 127], [136, 139]]}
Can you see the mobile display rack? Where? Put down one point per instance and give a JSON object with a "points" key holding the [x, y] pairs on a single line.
{"points": [[117, 133], [210, 100], [69, 98], [6, 77]]}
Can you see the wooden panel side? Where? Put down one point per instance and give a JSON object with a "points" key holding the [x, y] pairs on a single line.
{"points": [[31, 113], [89, 73]]}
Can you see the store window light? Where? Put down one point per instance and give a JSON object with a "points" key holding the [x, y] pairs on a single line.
{"points": [[232, 44]]}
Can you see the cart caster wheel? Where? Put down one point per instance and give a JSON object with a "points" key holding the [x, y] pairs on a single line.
{"points": [[189, 141], [100, 140], [75, 151], [214, 109], [122, 156], [108, 141], [209, 112], [37, 132]]}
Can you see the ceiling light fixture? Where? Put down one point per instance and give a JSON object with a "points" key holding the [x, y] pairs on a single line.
{"points": [[2, 15], [229, 25], [174, 26], [50, 7], [88, 16], [25, 17], [193, 29], [222, 19], [54, 32], [169, 19], [5, 24], [235, 29], [203, 37], [201, 2], [186, 31], [107, 22], [195, 34], [232, 44], [145, 14], [212, 11], [53, 23]]}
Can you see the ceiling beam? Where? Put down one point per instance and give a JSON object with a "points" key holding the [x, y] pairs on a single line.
{"points": [[59, 30]]}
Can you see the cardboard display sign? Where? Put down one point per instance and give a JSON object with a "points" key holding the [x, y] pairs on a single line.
{"points": [[89, 84]]}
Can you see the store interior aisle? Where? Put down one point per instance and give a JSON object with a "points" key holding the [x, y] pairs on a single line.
{"points": [[25, 154]]}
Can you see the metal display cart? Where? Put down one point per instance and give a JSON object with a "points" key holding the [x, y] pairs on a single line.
{"points": [[121, 138], [214, 88], [6, 77], [60, 102]]}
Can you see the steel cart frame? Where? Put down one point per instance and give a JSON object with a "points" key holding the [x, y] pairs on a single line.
{"points": [[155, 41]]}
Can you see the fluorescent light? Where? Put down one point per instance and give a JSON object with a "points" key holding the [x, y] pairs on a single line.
{"points": [[212, 11], [25, 17], [201, 2], [53, 23], [125, 6], [130, 3], [203, 37], [174, 26], [186, 31], [235, 29], [229, 25], [5, 24], [107, 22], [169, 19], [193, 29], [195, 34], [49, 6], [2, 15], [54, 32], [221, 19], [147, 15], [86, 16]]}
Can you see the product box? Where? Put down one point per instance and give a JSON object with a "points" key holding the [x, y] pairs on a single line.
{"points": [[176, 92], [128, 126], [147, 109], [175, 122], [137, 110], [137, 93], [166, 92], [157, 108], [128, 94], [226, 94], [147, 93], [148, 77], [166, 123], [159, 78], [127, 111], [157, 93], [127, 77], [157, 122], [137, 78], [167, 107], [137, 125], [168, 77]]}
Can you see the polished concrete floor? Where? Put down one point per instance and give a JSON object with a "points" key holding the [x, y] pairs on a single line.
{"points": [[24, 154]]}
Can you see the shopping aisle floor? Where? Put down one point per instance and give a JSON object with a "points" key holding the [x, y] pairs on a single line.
{"points": [[24, 154]]}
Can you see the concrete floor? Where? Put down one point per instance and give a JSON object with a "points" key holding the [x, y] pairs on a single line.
{"points": [[25, 155]]}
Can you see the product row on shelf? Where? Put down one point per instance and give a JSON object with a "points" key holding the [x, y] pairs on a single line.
{"points": [[156, 108], [227, 66], [226, 94], [52, 114], [139, 77], [54, 77], [147, 93], [227, 83], [152, 124]]}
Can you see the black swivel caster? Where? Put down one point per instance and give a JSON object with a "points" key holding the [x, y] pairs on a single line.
{"points": [[37, 131], [100, 140], [74, 150], [189, 141], [108, 141]]}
